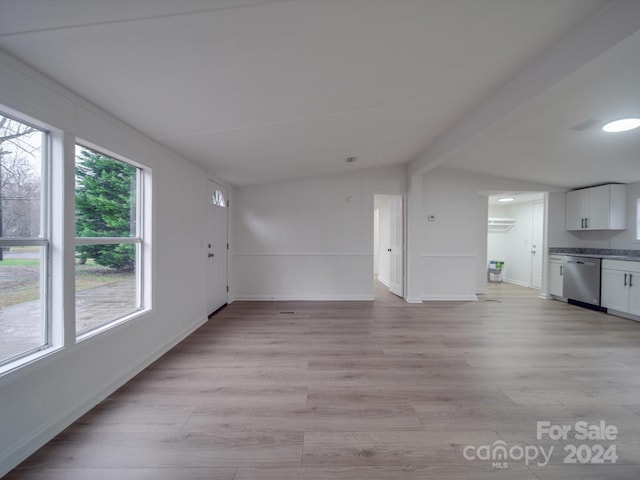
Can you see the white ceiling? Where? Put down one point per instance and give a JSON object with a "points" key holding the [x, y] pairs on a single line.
{"points": [[266, 90], [518, 197], [538, 142]]}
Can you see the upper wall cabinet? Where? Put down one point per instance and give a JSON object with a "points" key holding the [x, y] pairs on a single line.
{"points": [[597, 208]]}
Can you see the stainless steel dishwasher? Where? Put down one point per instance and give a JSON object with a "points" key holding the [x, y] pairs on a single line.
{"points": [[581, 280]]}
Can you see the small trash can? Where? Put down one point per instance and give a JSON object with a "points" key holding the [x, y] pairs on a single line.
{"points": [[495, 271]]}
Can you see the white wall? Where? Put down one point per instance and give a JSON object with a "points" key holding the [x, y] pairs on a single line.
{"points": [[41, 399], [623, 240], [309, 239], [451, 252]]}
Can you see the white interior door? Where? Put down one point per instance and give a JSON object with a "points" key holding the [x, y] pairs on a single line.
{"points": [[537, 236], [396, 274], [217, 254]]}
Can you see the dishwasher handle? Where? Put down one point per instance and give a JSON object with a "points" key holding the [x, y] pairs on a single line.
{"points": [[580, 262]]}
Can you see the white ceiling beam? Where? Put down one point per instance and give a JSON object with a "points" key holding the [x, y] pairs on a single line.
{"points": [[616, 21]]}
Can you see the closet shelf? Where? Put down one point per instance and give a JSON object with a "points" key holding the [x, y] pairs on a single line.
{"points": [[501, 225]]}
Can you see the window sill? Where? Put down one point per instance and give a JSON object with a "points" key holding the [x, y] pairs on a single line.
{"points": [[112, 325], [26, 364]]}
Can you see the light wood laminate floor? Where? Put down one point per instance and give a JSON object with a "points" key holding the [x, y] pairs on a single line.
{"points": [[366, 390]]}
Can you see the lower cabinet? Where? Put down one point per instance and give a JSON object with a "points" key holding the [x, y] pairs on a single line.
{"points": [[556, 267], [634, 295], [621, 286]]}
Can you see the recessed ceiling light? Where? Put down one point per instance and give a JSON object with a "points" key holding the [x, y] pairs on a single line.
{"points": [[622, 125], [350, 159], [506, 199]]}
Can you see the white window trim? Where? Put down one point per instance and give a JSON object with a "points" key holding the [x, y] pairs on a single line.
{"points": [[106, 240], [143, 304], [24, 242], [29, 356], [59, 241]]}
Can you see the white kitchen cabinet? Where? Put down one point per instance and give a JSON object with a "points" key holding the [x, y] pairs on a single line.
{"points": [[575, 208], [621, 286], [634, 295], [556, 267], [615, 294], [596, 208]]}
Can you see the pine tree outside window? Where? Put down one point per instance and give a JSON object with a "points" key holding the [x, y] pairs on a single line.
{"points": [[108, 240]]}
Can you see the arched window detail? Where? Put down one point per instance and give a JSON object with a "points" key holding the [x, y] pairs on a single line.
{"points": [[218, 200]]}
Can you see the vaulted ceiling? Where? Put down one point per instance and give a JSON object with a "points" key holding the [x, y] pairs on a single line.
{"points": [[267, 90]]}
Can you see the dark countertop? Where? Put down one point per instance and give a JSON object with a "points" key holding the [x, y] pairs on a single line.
{"points": [[604, 253]]}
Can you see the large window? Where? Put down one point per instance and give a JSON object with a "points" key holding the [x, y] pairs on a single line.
{"points": [[108, 239], [24, 239], [37, 268]]}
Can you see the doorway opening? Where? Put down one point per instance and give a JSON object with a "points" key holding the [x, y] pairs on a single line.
{"points": [[515, 237], [217, 248], [388, 246]]}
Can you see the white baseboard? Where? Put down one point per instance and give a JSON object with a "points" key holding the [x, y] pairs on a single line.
{"points": [[516, 282], [449, 298], [43, 435], [304, 298], [560, 299], [413, 300]]}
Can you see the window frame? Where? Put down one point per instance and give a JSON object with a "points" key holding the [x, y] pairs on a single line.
{"points": [[57, 244], [138, 240], [43, 241], [218, 199]]}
